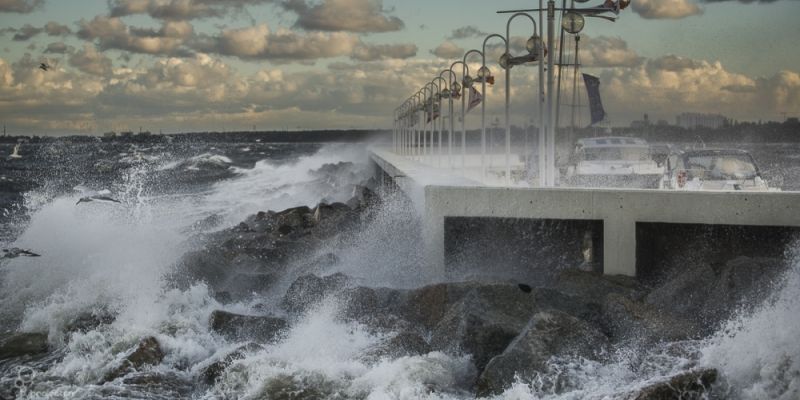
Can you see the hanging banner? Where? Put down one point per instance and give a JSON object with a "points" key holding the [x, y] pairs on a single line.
{"points": [[595, 102], [475, 98]]}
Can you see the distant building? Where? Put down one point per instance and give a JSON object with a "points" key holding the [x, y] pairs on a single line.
{"points": [[110, 135], [644, 123], [696, 120], [126, 134], [662, 122]]}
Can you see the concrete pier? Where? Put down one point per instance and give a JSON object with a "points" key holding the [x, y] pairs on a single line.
{"points": [[442, 193]]}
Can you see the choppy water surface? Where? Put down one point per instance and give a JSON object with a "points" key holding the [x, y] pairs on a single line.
{"points": [[121, 259]]}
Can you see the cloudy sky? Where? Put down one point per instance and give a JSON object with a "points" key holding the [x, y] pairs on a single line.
{"points": [[187, 65]]}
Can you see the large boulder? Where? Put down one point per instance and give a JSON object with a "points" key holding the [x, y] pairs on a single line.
{"points": [[213, 371], [89, 321], [232, 326], [596, 286], [404, 344], [484, 322], [426, 306], [627, 319], [691, 385], [148, 352], [24, 344], [708, 295], [547, 335], [308, 290], [685, 294]]}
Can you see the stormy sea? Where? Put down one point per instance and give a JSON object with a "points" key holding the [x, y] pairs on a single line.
{"points": [[254, 270]]}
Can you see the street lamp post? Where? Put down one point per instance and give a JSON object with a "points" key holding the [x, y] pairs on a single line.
{"points": [[484, 74], [573, 22], [439, 89], [429, 105], [507, 61], [467, 81], [453, 89], [457, 88]]}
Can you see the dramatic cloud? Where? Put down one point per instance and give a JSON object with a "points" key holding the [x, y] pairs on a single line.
{"points": [[57, 48], [56, 29], [448, 49], [179, 9], [383, 51], [26, 32], [112, 33], [673, 84], [91, 61], [283, 45], [343, 15], [466, 32], [665, 9], [19, 6], [604, 51]]}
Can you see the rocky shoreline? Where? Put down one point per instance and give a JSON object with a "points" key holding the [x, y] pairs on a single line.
{"points": [[510, 330]]}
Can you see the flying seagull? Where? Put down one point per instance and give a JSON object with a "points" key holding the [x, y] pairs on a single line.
{"points": [[15, 252], [100, 198], [44, 67]]}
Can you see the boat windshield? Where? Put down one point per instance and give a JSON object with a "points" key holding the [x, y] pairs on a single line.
{"points": [[616, 154], [720, 167]]}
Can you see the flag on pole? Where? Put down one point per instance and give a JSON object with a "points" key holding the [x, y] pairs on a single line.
{"points": [[475, 98], [595, 102], [433, 115]]}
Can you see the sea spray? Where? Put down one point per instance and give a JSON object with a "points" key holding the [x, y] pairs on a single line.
{"points": [[758, 352]]}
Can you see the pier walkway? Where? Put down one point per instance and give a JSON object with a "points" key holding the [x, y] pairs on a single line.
{"points": [[444, 193]]}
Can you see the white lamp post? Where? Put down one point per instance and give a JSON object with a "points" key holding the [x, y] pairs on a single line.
{"points": [[483, 75], [507, 62]]}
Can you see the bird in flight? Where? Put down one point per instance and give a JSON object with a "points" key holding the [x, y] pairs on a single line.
{"points": [[44, 67], [15, 252]]}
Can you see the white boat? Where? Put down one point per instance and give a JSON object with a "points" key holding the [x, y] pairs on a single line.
{"points": [[620, 162], [714, 169]]}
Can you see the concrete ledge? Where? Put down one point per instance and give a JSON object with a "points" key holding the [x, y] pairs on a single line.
{"points": [[619, 210], [440, 192]]}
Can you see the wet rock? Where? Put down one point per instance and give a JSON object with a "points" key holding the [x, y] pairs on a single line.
{"points": [[292, 220], [247, 283], [308, 290], [547, 334], [148, 352], [232, 326], [627, 319], [309, 386], [164, 384], [686, 293], [709, 294], [24, 344], [427, 306], [742, 281], [692, 385], [403, 344], [484, 322], [89, 321], [213, 371], [362, 198], [596, 286]]}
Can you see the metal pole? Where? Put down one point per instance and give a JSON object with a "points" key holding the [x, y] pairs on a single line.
{"points": [[542, 131], [551, 151], [483, 104], [508, 90], [464, 72]]}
